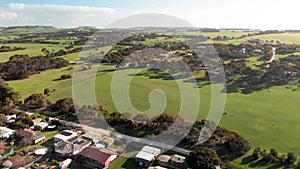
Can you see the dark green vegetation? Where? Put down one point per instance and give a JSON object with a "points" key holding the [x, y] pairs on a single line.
{"points": [[262, 101]]}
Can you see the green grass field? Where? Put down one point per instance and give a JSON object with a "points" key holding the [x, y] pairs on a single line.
{"points": [[268, 119], [31, 50], [227, 33], [282, 37]]}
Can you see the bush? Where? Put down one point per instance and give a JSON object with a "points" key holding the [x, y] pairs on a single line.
{"points": [[65, 76]]}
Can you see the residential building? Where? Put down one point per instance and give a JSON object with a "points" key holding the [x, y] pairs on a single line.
{"points": [[41, 126], [95, 157], [147, 155], [64, 135], [95, 137], [6, 132], [27, 137], [178, 162], [108, 141], [71, 146], [36, 121], [175, 161], [157, 167]]}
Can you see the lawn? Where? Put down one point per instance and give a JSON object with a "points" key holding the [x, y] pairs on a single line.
{"points": [[268, 118]]}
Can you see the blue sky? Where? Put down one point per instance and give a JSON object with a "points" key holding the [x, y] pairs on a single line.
{"points": [[260, 14]]}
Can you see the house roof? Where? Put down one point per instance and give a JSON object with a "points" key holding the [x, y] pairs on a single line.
{"points": [[29, 134], [4, 130], [157, 167], [42, 124], [94, 136], [164, 158], [145, 156], [97, 153], [151, 150], [66, 134], [72, 144], [177, 158]]}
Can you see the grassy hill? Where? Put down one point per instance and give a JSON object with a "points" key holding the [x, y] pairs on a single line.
{"points": [[28, 29]]}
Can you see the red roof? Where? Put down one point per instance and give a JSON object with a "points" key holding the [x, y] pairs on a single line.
{"points": [[97, 153], [27, 133]]}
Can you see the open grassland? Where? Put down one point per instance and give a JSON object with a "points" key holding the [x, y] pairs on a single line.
{"points": [[31, 50], [282, 37], [268, 118], [227, 33]]}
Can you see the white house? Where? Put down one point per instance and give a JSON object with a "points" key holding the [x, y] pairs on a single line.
{"points": [[6, 132], [41, 126], [147, 155], [64, 135]]}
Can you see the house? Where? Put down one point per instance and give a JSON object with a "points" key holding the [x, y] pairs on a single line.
{"points": [[7, 164], [11, 119], [157, 167], [175, 161], [36, 121], [41, 126], [164, 160], [95, 137], [64, 135], [178, 162], [243, 50], [65, 164], [257, 51], [108, 141], [257, 41], [71, 146], [147, 155], [6, 132], [95, 157], [27, 137]]}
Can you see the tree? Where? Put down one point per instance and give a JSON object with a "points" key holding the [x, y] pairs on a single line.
{"points": [[36, 101], [7, 94], [291, 158], [3, 119], [255, 153], [65, 76], [64, 105], [47, 91], [8, 98], [203, 158], [274, 152]]}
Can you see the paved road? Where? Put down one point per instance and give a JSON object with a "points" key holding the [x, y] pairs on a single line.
{"points": [[161, 145]]}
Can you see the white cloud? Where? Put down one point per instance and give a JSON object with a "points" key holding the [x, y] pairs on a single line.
{"points": [[234, 13], [16, 6], [64, 8], [5, 15], [57, 15]]}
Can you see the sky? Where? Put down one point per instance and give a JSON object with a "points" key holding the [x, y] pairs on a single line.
{"points": [[253, 14]]}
